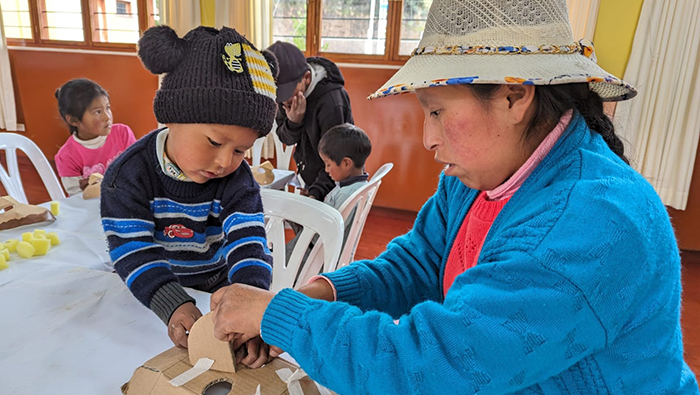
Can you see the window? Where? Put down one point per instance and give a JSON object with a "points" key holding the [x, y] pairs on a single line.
{"points": [[61, 20], [413, 17], [289, 22], [123, 8], [385, 31], [16, 17], [354, 26], [105, 24], [113, 22]]}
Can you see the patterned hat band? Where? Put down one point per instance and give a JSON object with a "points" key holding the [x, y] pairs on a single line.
{"points": [[584, 47]]}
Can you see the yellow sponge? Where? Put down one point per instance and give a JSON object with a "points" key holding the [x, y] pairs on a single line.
{"points": [[26, 250], [26, 236], [55, 208], [54, 238], [11, 245], [3, 262], [42, 246], [39, 233], [6, 253]]}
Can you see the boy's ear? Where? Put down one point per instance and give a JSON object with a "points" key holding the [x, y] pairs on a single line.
{"points": [[347, 163]]}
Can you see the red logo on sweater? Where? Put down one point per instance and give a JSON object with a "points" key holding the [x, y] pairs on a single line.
{"points": [[177, 230]]}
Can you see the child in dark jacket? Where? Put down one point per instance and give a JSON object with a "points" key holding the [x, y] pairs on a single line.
{"points": [[311, 100]]}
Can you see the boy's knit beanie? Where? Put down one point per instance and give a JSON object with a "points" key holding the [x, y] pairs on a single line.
{"points": [[212, 76]]}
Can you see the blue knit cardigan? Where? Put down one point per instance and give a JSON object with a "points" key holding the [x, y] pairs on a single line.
{"points": [[576, 291]]}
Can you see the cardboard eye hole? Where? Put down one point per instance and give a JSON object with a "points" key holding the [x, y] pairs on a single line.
{"points": [[219, 387]]}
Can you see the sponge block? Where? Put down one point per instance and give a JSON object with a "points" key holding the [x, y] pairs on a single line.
{"points": [[11, 245], [3, 262], [26, 236], [54, 238], [26, 250], [6, 253], [55, 208], [42, 246]]}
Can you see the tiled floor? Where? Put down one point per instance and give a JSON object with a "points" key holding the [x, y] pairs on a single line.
{"points": [[385, 224]]}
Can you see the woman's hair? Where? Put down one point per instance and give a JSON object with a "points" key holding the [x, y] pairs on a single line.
{"points": [[552, 101], [346, 141], [74, 98]]}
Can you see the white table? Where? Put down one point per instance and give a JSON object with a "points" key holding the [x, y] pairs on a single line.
{"points": [[282, 178], [78, 225], [72, 330], [69, 326]]}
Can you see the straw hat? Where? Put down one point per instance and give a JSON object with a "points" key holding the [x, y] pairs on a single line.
{"points": [[502, 42]]}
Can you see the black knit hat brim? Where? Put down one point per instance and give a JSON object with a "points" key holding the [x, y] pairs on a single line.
{"points": [[217, 106]]}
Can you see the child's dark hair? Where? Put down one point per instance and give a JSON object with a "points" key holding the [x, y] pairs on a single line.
{"points": [[74, 98], [552, 101], [346, 141]]}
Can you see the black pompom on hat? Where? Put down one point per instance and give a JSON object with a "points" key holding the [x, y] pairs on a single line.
{"points": [[212, 76]]}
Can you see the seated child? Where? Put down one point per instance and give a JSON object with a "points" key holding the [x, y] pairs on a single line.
{"points": [[344, 149], [181, 207], [95, 142]]}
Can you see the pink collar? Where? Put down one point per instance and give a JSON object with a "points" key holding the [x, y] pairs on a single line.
{"points": [[508, 188]]}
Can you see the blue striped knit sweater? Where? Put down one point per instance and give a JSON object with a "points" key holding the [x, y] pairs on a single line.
{"points": [[576, 291], [164, 234]]}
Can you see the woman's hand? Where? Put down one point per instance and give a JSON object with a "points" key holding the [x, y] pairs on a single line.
{"points": [[238, 311], [181, 322], [319, 289]]}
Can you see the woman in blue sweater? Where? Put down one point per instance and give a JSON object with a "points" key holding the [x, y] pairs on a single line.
{"points": [[543, 264]]}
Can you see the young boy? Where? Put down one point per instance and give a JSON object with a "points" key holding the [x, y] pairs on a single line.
{"points": [[344, 150], [180, 208], [311, 100]]}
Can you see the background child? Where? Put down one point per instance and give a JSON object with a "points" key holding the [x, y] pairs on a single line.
{"points": [[95, 142], [181, 208], [344, 150], [311, 100]]}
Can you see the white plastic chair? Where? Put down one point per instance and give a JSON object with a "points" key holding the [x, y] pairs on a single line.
{"points": [[284, 155], [316, 218], [10, 177], [362, 199], [257, 151]]}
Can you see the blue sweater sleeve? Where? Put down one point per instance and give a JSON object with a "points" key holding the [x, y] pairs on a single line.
{"points": [[493, 334], [407, 273], [249, 260]]}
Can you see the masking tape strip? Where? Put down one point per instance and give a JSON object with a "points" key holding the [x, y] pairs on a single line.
{"points": [[292, 380], [200, 367]]}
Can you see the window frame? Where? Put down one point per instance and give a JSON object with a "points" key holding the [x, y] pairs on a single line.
{"points": [[392, 41], [143, 8]]}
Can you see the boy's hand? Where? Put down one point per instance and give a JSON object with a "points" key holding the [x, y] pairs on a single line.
{"points": [[83, 183], [296, 109], [257, 355], [181, 322], [238, 311]]}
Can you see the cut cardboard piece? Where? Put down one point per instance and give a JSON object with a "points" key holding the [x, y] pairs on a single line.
{"points": [[263, 173], [92, 190], [203, 344], [153, 378], [14, 214]]}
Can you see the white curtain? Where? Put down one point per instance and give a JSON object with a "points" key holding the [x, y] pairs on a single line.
{"points": [[583, 15], [662, 124], [181, 15], [253, 19], [8, 111]]}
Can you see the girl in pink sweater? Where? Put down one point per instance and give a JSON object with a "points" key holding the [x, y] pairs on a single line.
{"points": [[95, 142]]}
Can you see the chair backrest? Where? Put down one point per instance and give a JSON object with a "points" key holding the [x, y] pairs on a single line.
{"points": [[317, 218], [284, 155], [10, 177], [360, 202], [257, 151]]}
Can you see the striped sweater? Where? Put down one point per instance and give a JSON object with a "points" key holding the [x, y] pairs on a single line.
{"points": [[164, 234]]}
